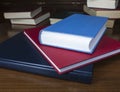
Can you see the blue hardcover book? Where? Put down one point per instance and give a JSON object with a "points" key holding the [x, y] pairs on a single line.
{"points": [[77, 32], [18, 53]]}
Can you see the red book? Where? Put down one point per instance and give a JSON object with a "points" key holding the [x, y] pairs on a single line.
{"points": [[65, 60]]}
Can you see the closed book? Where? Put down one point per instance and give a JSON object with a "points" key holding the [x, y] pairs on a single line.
{"points": [[106, 4], [65, 60], [18, 53], [110, 13], [32, 21], [24, 26], [54, 20], [22, 11], [77, 32]]}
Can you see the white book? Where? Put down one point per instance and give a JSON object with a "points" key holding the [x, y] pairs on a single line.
{"points": [[22, 12], [109, 4], [32, 21], [54, 20]]}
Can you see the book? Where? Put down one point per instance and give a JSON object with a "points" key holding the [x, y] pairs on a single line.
{"points": [[22, 12], [24, 26], [64, 60], [106, 4], [54, 20], [110, 13], [17, 28], [26, 58], [31, 21], [78, 32]]}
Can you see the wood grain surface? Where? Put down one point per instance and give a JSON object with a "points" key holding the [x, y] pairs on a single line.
{"points": [[106, 78]]}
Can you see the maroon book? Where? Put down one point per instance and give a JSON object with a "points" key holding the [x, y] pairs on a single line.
{"points": [[65, 60]]}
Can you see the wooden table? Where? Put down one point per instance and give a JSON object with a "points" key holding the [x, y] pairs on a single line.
{"points": [[106, 78]]}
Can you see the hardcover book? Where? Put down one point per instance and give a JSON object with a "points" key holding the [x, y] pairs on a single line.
{"points": [[110, 13], [77, 32], [24, 26], [22, 12], [18, 53], [106, 4], [32, 21], [66, 60]]}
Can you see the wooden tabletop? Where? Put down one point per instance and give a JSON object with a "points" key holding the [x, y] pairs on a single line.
{"points": [[106, 78]]}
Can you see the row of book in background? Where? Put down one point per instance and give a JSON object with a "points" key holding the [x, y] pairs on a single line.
{"points": [[66, 61]]}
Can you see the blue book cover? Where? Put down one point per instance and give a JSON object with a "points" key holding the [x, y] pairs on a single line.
{"points": [[77, 32], [18, 53]]}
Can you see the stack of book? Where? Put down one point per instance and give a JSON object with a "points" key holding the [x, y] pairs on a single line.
{"points": [[106, 8], [74, 42], [23, 17], [78, 33], [64, 50]]}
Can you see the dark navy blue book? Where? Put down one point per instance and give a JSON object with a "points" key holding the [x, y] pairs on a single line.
{"points": [[19, 54]]}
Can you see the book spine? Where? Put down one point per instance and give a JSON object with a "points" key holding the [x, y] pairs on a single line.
{"points": [[72, 76]]}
